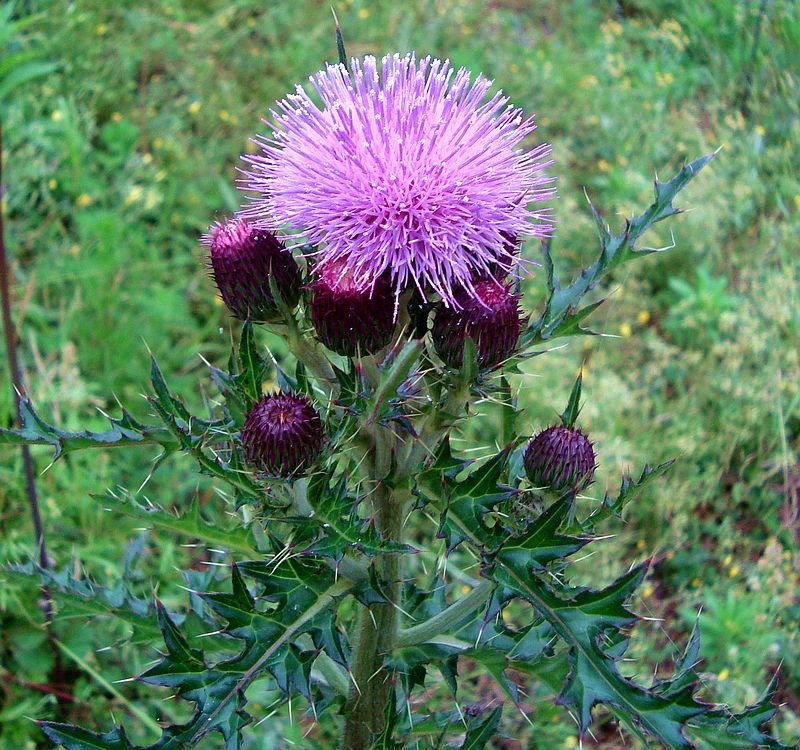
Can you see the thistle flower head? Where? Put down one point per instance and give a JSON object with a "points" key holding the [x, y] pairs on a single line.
{"points": [[561, 459], [243, 259], [489, 314], [407, 168], [348, 315], [282, 434]]}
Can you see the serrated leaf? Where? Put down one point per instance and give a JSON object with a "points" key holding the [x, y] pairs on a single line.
{"points": [[482, 730], [469, 500], [124, 431], [563, 313], [85, 597], [540, 543], [580, 621], [75, 738], [190, 524], [629, 490], [336, 527]]}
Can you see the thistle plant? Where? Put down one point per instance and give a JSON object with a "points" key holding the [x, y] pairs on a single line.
{"points": [[381, 239]]}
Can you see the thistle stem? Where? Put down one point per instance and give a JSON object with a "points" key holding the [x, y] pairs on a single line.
{"points": [[377, 628]]}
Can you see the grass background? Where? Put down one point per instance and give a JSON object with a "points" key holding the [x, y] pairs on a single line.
{"points": [[118, 158]]}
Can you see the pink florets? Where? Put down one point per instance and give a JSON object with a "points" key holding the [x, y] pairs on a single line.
{"points": [[405, 167]]}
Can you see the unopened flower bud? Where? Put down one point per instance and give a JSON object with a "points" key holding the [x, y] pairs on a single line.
{"points": [[561, 459], [282, 434], [489, 314], [351, 315], [242, 260]]}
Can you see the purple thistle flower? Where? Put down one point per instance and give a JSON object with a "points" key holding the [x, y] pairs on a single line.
{"points": [[407, 168]]}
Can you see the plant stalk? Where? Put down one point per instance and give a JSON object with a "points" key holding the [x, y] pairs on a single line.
{"points": [[378, 625], [15, 372]]}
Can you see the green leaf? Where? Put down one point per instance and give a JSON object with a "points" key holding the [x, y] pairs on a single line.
{"points": [[570, 414], [482, 730], [190, 524], [581, 620], [562, 314], [74, 738], [81, 596], [124, 431], [724, 730], [629, 490], [252, 365], [391, 380], [540, 543], [336, 528], [469, 500]]}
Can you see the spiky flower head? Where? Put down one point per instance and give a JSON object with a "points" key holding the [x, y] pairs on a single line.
{"points": [[489, 314], [348, 315], [282, 434], [243, 258], [561, 459], [406, 167]]}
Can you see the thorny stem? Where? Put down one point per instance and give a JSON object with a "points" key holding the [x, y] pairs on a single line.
{"points": [[378, 625], [27, 460]]}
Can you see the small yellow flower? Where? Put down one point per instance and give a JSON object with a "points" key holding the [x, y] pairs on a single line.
{"points": [[52, 184], [224, 115], [83, 200], [643, 317], [134, 195], [157, 143], [641, 544], [626, 330], [194, 108], [696, 582], [603, 165], [723, 675], [760, 130], [466, 589], [733, 571], [100, 29], [728, 560], [797, 201], [116, 117], [647, 591], [57, 115], [363, 13], [74, 250]]}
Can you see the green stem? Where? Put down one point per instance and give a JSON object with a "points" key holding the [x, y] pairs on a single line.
{"points": [[377, 631], [447, 618]]}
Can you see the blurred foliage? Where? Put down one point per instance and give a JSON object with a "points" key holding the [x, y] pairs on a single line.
{"points": [[118, 157]]}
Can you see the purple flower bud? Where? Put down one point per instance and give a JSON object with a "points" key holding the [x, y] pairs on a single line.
{"points": [[242, 260], [489, 314], [561, 459], [282, 434], [351, 315]]}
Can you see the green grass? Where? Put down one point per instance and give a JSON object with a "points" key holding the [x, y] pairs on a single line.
{"points": [[117, 160]]}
